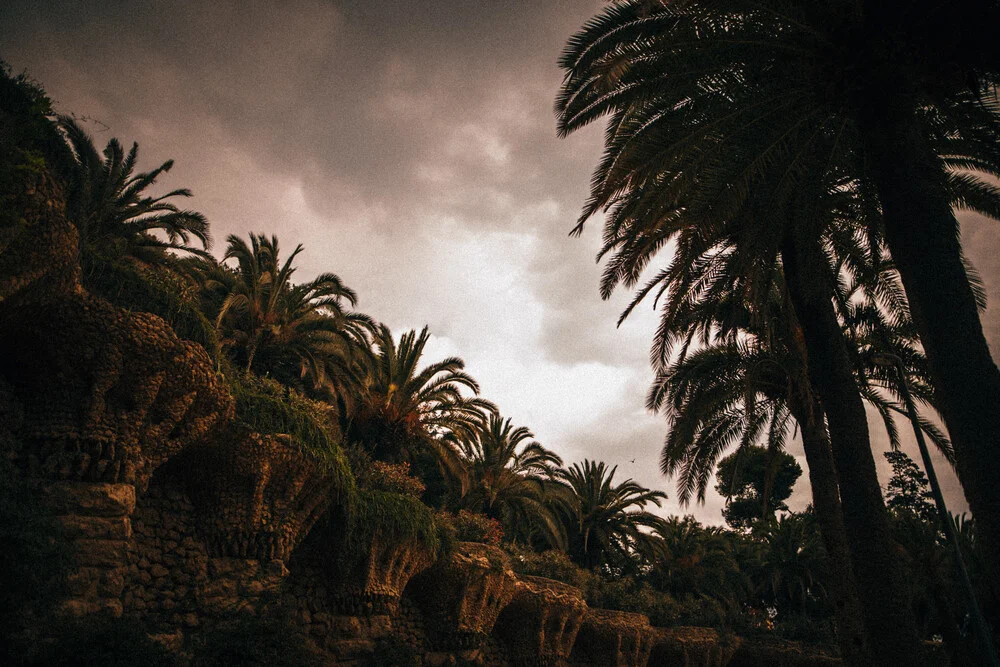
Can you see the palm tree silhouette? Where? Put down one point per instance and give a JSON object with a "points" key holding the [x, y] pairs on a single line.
{"points": [[511, 481], [606, 520], [300, 334], [107, 202], [405, 413]]}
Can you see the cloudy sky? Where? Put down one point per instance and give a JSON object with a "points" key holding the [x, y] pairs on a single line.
{"points": [[411, 148]]}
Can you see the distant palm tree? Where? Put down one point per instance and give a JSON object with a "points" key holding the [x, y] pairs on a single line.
{"points": [[404, 412], [607, 520], [510, 479], [299, 334], [792, 562], [107, 202], [700, 562]]}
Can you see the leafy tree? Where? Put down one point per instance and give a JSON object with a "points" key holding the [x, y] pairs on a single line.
{"points": [[908, 491], [756, 483], [606, 521], [108, 203], [510, 479]]}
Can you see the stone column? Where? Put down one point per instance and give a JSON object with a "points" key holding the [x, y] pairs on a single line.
{"points": [[97, 522]]}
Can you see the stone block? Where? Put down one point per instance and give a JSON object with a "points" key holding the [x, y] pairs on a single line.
{"points": [[95, 582], [101, 553], [96, 527], [89, 499]]}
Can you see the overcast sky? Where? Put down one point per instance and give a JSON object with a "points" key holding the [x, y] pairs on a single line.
{"points": [[411, 148]]}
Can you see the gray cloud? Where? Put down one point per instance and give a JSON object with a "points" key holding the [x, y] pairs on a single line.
{"points": [[410, 146]]}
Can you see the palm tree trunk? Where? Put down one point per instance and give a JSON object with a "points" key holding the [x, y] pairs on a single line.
{"points": [[923, 237], [840, 578], [888, 616]]}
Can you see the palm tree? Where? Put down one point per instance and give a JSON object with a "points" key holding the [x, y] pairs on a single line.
{"points": [[299, 334], [791, 562], [405, 413], [700, 562], [725, 97], [605, 527], [107, 202], [511, 481]]}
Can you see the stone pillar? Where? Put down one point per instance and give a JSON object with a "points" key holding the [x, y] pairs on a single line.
{"points": [[96, 519]]}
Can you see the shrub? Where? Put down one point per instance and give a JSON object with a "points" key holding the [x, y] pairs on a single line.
{"points": [[551, 564], [159, 291], [470, 527], [394, 517], [391, 478]]}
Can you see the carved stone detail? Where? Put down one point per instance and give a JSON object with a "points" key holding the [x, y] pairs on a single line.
{"points": [[687, 645], [373, 584], [613, 639], [462, 595], [257, 495], [540, 624]]}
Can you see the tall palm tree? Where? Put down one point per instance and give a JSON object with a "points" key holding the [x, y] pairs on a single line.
{"points": [[511, 481], [404, 412], [727, 96], [299, 334], [108, 203], [605, 527]]}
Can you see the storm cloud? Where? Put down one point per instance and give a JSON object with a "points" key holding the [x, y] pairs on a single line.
{"points": [[411, 148]]}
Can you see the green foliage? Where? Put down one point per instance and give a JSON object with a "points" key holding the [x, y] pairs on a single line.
{"points": [[28, 135], [750, 475], [106, 641], [157, 290], [551, 564], [392, 516], [107, 202], [605, 520], [471, 527], [391, 478], [299, 334], [266, 406], [271, 640]]}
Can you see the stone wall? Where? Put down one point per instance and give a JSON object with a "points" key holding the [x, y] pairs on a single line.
{"points": [[168, 564]]}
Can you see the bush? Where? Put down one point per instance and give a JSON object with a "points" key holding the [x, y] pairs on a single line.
{"points": [[393, 517], [267, 406], [254, 641], [469, 527], [391, 478], [105, 641], [159, 291], [551, 564]]}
